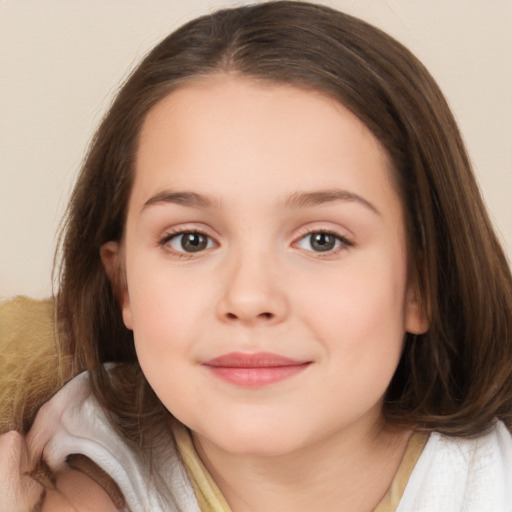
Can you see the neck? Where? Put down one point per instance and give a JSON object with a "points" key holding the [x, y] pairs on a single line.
{"points": [[349, 470]]}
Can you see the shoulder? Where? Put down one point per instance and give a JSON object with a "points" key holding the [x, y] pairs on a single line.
{"points": [[472, 474], [479, 456], [75, 489], [33, 478], [72, 450], [27, 483]]}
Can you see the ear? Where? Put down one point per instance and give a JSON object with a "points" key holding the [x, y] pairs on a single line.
{"points": [[416, 311], [112, 259]]}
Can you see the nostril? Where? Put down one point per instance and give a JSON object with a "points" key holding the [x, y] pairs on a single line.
{"points": [[266, 316]]}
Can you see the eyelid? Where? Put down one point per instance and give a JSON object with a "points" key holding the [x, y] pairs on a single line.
{"points": [[171, 232], [346, 241], [322, 227], [175, 231]]}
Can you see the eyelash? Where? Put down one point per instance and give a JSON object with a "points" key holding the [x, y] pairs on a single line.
{"points": [[344, 243], [164, 241]]}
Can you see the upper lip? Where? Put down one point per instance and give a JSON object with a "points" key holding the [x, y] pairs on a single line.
{"points": [[254, 360]]}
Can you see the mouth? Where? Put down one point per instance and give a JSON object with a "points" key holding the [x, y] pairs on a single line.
{"points": [[254, 370]]}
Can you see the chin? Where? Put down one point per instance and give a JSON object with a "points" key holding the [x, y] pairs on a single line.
{"points": [[259, 442]]}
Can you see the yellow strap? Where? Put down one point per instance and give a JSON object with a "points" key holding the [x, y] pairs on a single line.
{"points": [[208, 495], [412, 453], [210, 498]]}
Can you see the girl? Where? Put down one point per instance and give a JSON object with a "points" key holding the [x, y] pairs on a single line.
{"points": [[280, 281]]}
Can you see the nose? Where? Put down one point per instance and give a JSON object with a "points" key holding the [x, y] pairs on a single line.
{"points": [[252, 293]]}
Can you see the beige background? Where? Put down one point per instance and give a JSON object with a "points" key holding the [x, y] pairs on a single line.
{"points": [[61, 61]]}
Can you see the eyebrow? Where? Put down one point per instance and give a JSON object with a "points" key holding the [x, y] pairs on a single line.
{"points": [[316, 198], [293, 201], [191, 199]]}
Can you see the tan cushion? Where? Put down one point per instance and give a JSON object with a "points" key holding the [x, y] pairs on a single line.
{"points": [[31, 366]]}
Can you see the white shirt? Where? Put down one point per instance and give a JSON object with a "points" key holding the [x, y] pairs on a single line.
{"points": [[451, 474]]}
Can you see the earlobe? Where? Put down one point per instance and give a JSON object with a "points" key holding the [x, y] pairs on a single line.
{"points": [[416, 314], [111, 257]]}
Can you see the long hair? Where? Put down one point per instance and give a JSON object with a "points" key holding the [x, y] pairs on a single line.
{"points": [[457, 377]]}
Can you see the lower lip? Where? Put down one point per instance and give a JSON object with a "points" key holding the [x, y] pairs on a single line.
{"points": [[256, 377]]}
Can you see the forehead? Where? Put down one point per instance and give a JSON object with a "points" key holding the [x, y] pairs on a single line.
{"points": [[229, 131]]}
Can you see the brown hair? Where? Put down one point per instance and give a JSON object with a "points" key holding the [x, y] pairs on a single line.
{"points": [[457, 377]]}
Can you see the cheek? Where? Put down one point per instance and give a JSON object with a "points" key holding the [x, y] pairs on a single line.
{"points": [[359, 318], [162, 328], [366, 297], [168, 311], [161, 318]]}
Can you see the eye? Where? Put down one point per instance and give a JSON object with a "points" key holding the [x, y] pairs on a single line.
{"points": [[320, 241], [189, 242]]}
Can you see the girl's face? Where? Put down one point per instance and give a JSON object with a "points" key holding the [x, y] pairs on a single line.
{"points": [[266, 265]]}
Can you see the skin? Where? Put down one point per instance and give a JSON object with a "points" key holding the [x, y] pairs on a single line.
{"points": [[72, 491], [316, 440], [76, 492]]}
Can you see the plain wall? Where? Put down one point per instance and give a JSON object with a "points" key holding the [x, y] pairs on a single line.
{"points": [[61, 62]]}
